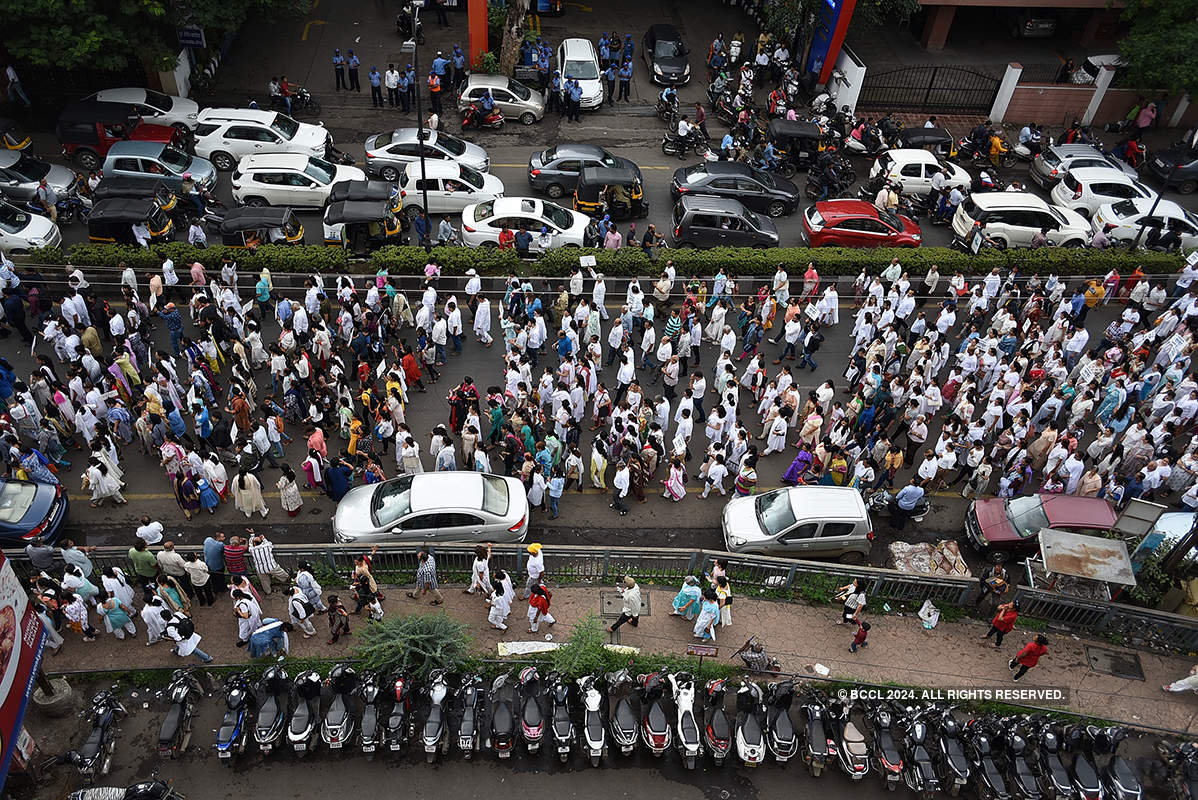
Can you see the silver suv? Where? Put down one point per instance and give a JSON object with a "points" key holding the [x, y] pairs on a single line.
{"points": [[1054, 162]]}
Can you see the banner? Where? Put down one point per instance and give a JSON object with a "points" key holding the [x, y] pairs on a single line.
{"points": [[21, 641]]}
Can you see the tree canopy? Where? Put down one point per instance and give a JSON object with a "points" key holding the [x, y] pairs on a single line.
{"points": [[1158, 50]]}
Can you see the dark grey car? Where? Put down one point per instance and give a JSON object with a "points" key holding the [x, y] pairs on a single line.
{"points": [[20, 172], [555, 171], [706, 221]]}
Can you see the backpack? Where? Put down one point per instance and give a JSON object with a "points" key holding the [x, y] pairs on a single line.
{"points": [[184, 627], [305, 606]]}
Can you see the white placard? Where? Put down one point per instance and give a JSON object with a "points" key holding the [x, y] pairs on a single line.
{"points": [[586, 261]]}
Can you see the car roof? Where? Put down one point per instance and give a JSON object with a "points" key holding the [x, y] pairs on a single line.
{"points": [[727, 168], [356, 211], [360, 190], [441, 489], [273, 161], [572, 45], [117, 209], [236, 115], [1077, 512], [10, 157], [476, 79], [1068, 151], [707, 202], [1101, 173], [576, 149], [127, 147], [664, 31], [434, 168], [910, 155], [826, 501], [247, 217], [516, 205], [988, 200], [1164, 208], [96, 111], [127, 94], [832, 210]]}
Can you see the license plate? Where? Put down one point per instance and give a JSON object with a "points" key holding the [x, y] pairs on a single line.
{"points": [[299, 748], [224, 754], [395, 748], [430, 749], [563, 749], [367, 748], [505, 754], [335, 745]]}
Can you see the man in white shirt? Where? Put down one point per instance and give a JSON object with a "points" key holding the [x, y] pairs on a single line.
{"points": [[598, 293], [454, 323], [474, 285], [619, 491]]}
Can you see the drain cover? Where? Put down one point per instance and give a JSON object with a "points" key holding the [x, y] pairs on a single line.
{"points": [[1115, 662], [611, 603]]}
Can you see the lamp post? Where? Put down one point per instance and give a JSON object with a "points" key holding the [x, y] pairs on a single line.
{"points": [[413, 45], [1156, 202]]}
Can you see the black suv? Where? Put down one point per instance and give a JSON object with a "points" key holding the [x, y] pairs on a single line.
{"points": [[758, 191]]}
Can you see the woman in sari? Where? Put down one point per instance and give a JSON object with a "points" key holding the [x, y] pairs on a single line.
{"points": [[675, 487], [746, 479], [186, 494], [689, 598], [118, 616], [709, 614]]}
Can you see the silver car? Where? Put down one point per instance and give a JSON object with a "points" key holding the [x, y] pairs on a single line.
{"points": [[20, 172], [1053, 163], [513, 98], [387, 154], [468, 507]]}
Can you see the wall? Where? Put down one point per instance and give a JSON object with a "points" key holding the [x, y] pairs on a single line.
{"points": [[1048, 104], [178, 82], [854, 76]]}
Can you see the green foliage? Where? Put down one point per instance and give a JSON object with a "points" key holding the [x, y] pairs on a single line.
{"points": [[817, 588], [487, 63], [584, 652], [783, 18], [1151, 582], [1158, 49], [416, 644]]}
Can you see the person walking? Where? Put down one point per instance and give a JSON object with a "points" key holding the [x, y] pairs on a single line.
{"points": [[151, 615], [307, 582], [1186, 684], [860, 636], [300, 610], [538, 607], [480, 572], [247, 494], [709, 615], [1029, 656], [181, 630], [630, 610], [619, 487], [118, 616], [214, 559], [534, 568], [1003, 622], [248, 614], [426, 578], [262, 553], [338, 619], [686, 603], [854, 601]]}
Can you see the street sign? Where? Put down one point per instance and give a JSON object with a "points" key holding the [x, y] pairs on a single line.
{"points": [[192, 36], [702, 650]]}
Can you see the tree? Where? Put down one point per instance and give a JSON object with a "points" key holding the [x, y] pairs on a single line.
{"points": [[513, 35], [1158, 50], [795, 18], [109, 35]]}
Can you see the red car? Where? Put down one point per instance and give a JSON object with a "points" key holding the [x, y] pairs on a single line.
{"points": [[1003, 528], [88, 128], [856, 223]]}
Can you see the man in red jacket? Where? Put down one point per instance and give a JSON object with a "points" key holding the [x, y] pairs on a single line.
{"points": [[1029, 656], [1003, 622]]}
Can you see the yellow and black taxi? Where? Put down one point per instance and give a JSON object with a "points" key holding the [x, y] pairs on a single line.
{"points": [[367, 190], [361, 226], [128, 220], [615, 191], [249, 227], [12, 135], [140, 189]]}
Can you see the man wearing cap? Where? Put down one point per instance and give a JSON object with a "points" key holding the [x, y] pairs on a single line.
{"points": [[575, 104], [474, 285], [434, 91], [403, 88], [339, 69], [354, 62], [459, 66], [555, 93], [376, 87], [625, 80], [543, 69], [535, 566]]}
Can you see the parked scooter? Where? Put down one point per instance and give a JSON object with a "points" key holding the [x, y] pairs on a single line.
{"points": [[880, 719], [560, 723], [142, 790], [623, 700], [475, 117], [750, 719], [434, 736], [183, 693], [532, 716], [1181, 759], [304, 718], [503, 716], [593, 740], [1017, 759], [95, 757], [1050, 768], [690, 744], [371, 736], [988, 778], [234, 727], [851, 750], [781, 738], [338, 725], [919, 771], [818, 741], [655, 723], [273, 694], [717, 729], [472, 698], [883, 505], [1118, 778], [948, 751], [399, 722], [1082, 769]]}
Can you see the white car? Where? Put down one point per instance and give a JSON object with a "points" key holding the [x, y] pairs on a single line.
{"points": [[1128, 215], [21, 231], [450, 186], [914, 168], [155, 107], [224, 136], [388, 154], [1011, 219], [1085, 189], [286, 179], [576, 58], [483, 222]]}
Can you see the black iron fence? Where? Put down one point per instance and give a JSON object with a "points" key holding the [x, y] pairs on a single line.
{"points": [[938, 88]]}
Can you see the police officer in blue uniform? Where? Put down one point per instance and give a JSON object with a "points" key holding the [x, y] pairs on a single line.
{"points": [[459, 66], [339, 69], [555, 93], [625, 79], [609, 77], [604, 51], [543, 67], [410, 80], [575, 100], [376, 87], [353, 63]]}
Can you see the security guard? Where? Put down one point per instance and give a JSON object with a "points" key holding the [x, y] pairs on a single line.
{"points": [[604, 51], [459, 66], [434, 92], [543, 68], [555, 93], [354, 63], [609, 77], [339, 69], [404, 86], [376, 87], [625, 79], [575, 100], [410, 74]]}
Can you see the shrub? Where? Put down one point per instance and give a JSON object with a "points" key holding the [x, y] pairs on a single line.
{"points": [[415, 644], [817, 588], [584, 652]]}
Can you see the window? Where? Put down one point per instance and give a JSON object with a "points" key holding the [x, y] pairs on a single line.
{"points": [[774, 513], [484, 210], [243, 133], [582, 70], [296, 179], [705, 221], [458, 520], [273, 178], [805, 531], [285, 126], [912, 171], [204, 129], [471, 176], [159, 100], [175, 160], [837, 529], [29, 168], [569, 165], [557, 216], [500, 96], [391, 500], [12, 221], [420, 522], [1026, 515], [495, 495], [863, 226], [750, 186], [321, 171], [450, 144], [519, 90], [723, 183], [407, 149], [127, 165]]}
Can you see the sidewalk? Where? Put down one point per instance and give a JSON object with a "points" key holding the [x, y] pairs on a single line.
{"points": [[900, 650]]}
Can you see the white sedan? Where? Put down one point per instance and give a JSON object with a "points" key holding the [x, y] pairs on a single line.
{"points": [[1128, 215], [155, 107], [22, 231], [914, 168], [483, 222]]}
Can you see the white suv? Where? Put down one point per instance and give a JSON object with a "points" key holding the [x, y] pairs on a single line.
{"points": [[285, 179], [226, 135], [449, 185], [1086, 189], [1012, 218]]}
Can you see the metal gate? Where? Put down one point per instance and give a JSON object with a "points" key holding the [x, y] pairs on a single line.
{"points": [[929, 88]]}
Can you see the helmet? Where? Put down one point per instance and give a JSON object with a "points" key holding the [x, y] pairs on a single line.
{"points": [[1015, 605]]}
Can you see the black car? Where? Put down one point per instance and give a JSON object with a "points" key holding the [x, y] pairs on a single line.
{"points": [[29, 509], [555, 170], [758, 191], [1185, 178], [666, 55]]}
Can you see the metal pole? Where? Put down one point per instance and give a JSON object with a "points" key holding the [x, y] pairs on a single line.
{"points": [[420, 118], [1155, 203]]}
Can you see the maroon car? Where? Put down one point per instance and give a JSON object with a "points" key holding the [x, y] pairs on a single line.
{"points": [[88, 128], [1003, 528], [856, 223]]}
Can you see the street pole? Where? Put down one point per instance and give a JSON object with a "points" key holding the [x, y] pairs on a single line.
{"points": [[1155, 203], [416, 6]]}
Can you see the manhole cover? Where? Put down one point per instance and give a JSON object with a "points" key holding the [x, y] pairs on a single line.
{"points": [[611, 603], [1114, 662]]}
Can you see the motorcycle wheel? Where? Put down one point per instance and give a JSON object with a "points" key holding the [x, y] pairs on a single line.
{"points": [[849, 176], [669, 148], [891, 785], [665, 114], [787, 169], [594, 761], [1008, 160], [564, 757]]}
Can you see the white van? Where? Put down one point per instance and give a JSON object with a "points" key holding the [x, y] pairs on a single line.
{"points": [[576, 58]]}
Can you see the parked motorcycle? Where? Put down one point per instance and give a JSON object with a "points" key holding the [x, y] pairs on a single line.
{"points": [[272, 694], [399, 722], [623, 700], [1050, 768], [919, 770], [879, 717], [368, 692], [183, 693], [1181, 759], [948, 752], [338, 725], [690, 743], [532, 716], [593, 740], [304, 718], [818, 742], [655, 724], [717, 728], [434, 736], [471, 697], [142, 790], [851, 751], [1082, 769], [979, 746], [781, 738], [234, 727], [503, 716], [95, 757], [1118, 778], [475, 117], [750, 718], [404, 23], [883, 505], [561, 724], [1017, 759]]}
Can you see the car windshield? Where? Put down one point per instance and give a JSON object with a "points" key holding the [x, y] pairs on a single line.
{"points": [[814, 217], [1057, 215], [608, 160], [174, 159], [1124, 209], [484, 210], [753, 219], [12, 219], [559, 216], [1026, 515], [695, 173], [15, 501], [471, 176], [285, 126], [582, 70], [667, 49], [383, 139], [392, 500], [765, 179], [774, 513], [158, 100], [320, 170], [495, 495], [891, 219], [31, 168], [521, 91], [451, 144]]}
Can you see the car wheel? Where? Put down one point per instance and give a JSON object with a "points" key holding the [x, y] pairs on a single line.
{"points": [[412, 211], [490, 245], [997, 556], [686, 245], [222, 161], [555, 190], [528, 118], [788, 170], [851, 558], [255, 202], [776, 208], [1187, 187], [87, 159], [389, 174]]}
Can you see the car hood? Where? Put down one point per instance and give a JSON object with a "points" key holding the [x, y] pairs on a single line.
{"points": [[60, 178], [956, 174], [349, 174], [148, 132], [352, 516], [184, 107], [671, 64], [910, 226], [740, 520], [475, 156], [768, 226], [992, 519], [38, 227], [201, 170]]}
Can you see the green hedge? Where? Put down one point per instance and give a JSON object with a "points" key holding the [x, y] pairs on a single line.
{"points": [[627, 262]]}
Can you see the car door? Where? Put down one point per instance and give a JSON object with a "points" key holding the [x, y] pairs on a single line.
{"points": [[419, 527], [305, 191], [798, 541], [505, 102], [460, 526], [869, 232], [705, 230], [240, 141], [565, 172], [911, 176], [456, 195], [126, 167], [436, 196], [752, 194], [833, 539], [404, 153]]}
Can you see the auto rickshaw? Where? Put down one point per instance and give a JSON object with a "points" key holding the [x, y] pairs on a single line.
{"points": [[797, 143], [12, 136], [362, 225], [615, 191], [247, 227], [136, 188], [938, 140], [367, 190], [113, 221]]}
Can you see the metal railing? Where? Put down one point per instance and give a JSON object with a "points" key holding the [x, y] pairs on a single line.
{"points": [[773, 578]]}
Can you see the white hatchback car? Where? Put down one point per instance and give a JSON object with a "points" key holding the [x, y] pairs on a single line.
{"points": [[483, 222], [1012, 218], [22, 231], [1085, 189], [450, 187], [224, 136], [286, 179], [155, 107], [576, 58], [914, 169], [1128, 215]]}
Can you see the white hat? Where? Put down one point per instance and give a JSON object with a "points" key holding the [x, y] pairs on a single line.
{"points": [[471, 272]]}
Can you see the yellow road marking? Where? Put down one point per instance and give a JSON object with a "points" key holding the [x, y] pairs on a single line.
{"points": [[304, 38], [581, 7]]}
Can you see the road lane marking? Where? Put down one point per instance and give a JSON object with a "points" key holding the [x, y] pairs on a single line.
{"points": [[587, 9], [304, 38]]}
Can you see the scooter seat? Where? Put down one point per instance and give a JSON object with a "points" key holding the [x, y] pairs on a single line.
{"points": [[268, 711], [815, 731], [501, 718], [532, 713], [336, 713], [994, 776], [957, 761], [690, 731], [784, 729], [300, 719], [719, 727], [1060, 775], [854, 742], [170, 724], [1122, 772], [469, 716], [92, 746], [594, 727], [751, 729], [625, 719], [432, 726], [657, 718], [1085, 772], [370, 719]]}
